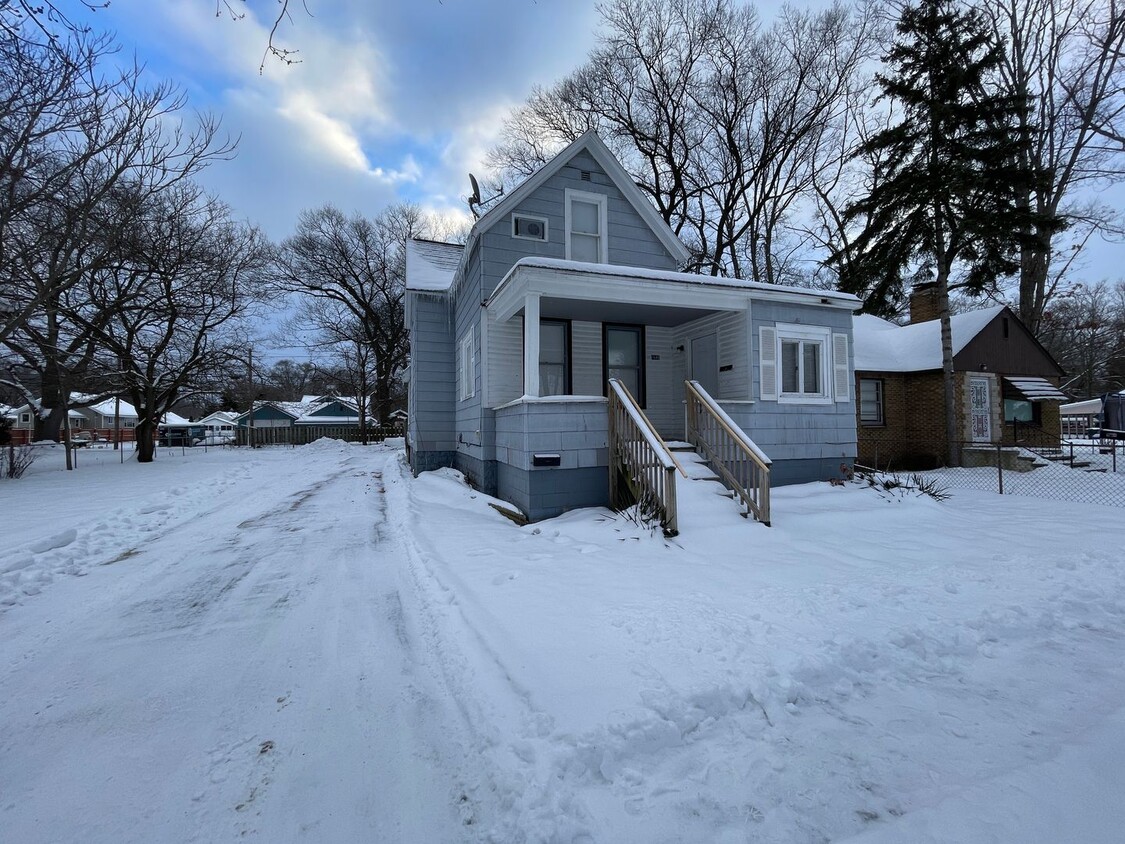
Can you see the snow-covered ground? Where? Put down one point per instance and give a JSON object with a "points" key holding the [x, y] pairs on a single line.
{"points": [[307, 644]]}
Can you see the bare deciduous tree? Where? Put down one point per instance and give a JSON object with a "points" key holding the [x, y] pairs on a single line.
{"points": [[1066, 59], [83, 156], [184, 289], [357, 264], [723, 123]]}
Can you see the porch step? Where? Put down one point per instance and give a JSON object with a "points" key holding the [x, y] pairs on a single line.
{"points": [[692, 463], [679, 446]]}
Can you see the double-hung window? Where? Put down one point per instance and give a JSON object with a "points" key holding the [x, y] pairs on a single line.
{"points": [[871, 411], [801, 368], [554, 357], [466, 367], [586, 227], [803, 364]]}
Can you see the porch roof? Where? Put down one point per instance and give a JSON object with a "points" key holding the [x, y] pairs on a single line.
{"points": [[612, 293]]}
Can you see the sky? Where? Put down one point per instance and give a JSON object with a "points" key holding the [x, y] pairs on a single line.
{"points": [[391, 100]]}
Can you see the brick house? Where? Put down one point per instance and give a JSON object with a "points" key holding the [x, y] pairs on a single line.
{"points": [[1006, 384]]}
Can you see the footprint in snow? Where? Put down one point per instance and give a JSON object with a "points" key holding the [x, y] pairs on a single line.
{"points": [[501, 579], [59, 540]]}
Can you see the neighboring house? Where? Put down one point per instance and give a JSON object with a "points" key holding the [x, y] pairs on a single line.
{"points": [[310, 411], [218, 424], [571, 279], [103, 420], [1006, 384]]}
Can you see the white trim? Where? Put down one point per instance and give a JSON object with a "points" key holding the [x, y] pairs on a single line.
{"points": [[841, 374], [485, 373], [519, 215], [606, 283], [508, 298], [466, 366], [805, 334], [570, 195], [767, 363], [531, 344], [621, 179]]}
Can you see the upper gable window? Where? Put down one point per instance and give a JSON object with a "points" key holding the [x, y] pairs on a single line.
{"points": [[527, 227], [586, 227]]}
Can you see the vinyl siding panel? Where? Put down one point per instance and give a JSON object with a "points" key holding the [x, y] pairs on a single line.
{"points": [[505, 360], [631, 241], [733, 350], [819, 433], [431, 374]]}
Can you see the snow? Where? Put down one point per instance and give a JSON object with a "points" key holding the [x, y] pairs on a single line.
{"points": [[431, 266], [309, 644], [882, 346], [824, 296]]}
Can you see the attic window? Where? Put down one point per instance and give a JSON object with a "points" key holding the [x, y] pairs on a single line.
{"points": [[527, 227]]}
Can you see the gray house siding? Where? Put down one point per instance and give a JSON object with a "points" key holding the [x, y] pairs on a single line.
{"points": [[577, 432], [430, 431], [807, 442], [631, 242]]}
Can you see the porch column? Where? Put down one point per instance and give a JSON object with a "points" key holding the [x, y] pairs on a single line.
{"points": [[531, 344]]}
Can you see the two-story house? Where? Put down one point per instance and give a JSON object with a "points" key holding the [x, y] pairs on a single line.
{"points": [[566, 299]]}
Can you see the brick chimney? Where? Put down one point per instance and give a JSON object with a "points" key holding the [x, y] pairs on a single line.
{"points": [[924, 302]]}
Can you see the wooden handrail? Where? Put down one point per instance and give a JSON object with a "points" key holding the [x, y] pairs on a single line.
{"points": [[639, 456], [744, 467]]}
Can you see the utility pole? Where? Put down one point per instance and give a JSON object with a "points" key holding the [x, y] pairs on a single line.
{"points": [[250, 386]]}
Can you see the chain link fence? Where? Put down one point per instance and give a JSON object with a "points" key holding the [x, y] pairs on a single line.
{"points": [[1078, 469]]}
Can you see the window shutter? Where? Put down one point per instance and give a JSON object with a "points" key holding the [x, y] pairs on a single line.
{"points": [[460, 370], [767, 363], [473, 360], [841, 375]]}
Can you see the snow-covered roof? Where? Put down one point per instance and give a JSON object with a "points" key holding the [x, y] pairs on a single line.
{"points": [[882, 346], [218, 416], [1038, 389], [826, 296], [431, 266], [1081, 408]]}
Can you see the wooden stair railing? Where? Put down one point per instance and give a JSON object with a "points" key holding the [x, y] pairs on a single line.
{"points": [[640, 458], [744, 467]]}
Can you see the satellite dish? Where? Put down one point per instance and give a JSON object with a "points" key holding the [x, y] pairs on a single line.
{"points": [[475, 200]]}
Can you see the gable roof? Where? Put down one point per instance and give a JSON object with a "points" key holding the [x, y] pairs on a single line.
{"points": [[882, 346], [430, 265], [596, 147]]}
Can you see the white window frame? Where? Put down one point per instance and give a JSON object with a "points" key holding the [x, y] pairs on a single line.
{"points": [[880, 403], [466, 367], [546, 227], [602, 202], [25, 418], [806, 334]]}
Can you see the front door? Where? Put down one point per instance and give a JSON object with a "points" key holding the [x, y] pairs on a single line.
{"points": [[980, 410], [705, 362], [624, 357]]}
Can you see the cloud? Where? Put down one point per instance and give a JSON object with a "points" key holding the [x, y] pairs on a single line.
{"points": [[389, 100]]}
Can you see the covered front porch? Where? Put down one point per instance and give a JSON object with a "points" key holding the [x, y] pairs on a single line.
{"points": [[557, 334]]}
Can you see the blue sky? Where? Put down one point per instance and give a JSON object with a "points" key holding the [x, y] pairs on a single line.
{"points": [[391, 100]]}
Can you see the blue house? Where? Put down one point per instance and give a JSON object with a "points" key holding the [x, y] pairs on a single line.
{"points": [[559, 357]]}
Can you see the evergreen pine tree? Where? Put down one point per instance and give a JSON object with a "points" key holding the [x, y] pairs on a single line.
{"points": [[943, 199]]}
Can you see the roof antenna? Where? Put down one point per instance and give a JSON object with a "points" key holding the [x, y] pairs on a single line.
{"points": [[475, 201]]}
